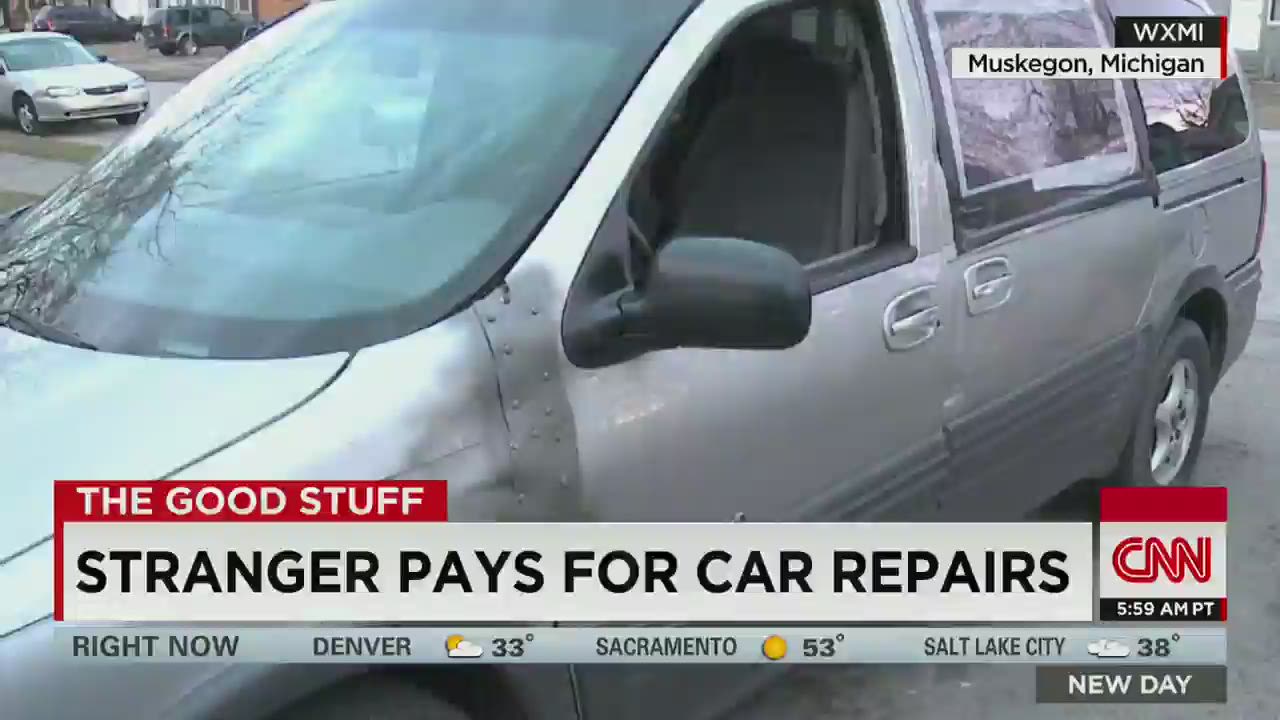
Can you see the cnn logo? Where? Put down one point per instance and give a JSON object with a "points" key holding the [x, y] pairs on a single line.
{"points": [[1142, 560]]}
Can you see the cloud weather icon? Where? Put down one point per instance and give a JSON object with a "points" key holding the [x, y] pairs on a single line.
{"points": [[1108, 649], [462, 648]]}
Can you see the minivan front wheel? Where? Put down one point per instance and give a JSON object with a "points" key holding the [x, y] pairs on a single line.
{"points": [[1165, 440]]}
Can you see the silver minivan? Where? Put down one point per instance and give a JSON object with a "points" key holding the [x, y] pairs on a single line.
{"points": [[703, 260]]}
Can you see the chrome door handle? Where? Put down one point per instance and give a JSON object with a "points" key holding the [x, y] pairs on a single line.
{"points": [[911, 319], [992, 287], [988, 285], [925, 320]]}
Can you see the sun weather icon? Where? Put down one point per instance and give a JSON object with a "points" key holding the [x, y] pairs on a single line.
{"points": [[460, 647]]}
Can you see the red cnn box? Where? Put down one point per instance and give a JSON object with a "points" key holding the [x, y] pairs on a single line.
{"points": [[1162, 554]]}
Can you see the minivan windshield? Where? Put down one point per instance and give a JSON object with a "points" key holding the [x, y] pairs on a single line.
{"points": [[43, 53], [351, 177]]}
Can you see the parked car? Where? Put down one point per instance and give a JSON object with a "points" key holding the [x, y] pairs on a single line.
{"points": [[51, 78], [186, 30], [87, 24], [258, 28], [678, 260]]}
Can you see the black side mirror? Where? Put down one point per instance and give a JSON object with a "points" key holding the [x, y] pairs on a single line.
{"points": [[701, 292], [103, 58]]}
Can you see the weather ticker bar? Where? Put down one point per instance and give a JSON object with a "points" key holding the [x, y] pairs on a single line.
{"points": [[1043, 645]]}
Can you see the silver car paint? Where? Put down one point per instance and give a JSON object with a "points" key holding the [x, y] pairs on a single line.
{"points": [[92, 415], [487, 400]]}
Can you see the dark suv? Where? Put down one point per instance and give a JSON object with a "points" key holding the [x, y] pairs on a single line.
{"points": [[186, 30], [86, 24]]}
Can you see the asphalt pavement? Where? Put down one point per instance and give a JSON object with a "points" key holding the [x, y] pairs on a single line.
{"points": [[1241, 452]]}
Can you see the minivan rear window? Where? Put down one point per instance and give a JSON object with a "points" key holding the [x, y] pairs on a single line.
{"points": [[1051, 132], [1188, 120]]}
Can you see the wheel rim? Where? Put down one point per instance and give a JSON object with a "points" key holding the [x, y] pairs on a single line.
{"points": [[192, 48], [139, 38], [26, 118], [1175, 422]]}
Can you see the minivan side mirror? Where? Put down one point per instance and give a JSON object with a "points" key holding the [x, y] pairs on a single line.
{"points": [[103, 58], [701, 292]]}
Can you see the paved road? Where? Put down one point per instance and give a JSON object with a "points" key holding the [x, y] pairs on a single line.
{"points": [[155, 67], [1240, 452]]}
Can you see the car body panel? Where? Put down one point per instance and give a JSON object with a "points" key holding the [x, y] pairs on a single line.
{"points": [[164, 413]]}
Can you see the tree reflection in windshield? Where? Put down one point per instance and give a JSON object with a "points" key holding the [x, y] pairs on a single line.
{"points": [[339, 181], [133, 186]]}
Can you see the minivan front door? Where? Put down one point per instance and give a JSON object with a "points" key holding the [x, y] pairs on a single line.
{"points": [[781, 139]]}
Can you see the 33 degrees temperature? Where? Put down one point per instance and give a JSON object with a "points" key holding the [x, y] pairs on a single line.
{"points": [[512, 646]]}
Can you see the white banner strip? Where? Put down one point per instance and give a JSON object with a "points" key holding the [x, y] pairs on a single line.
{"points": [[1085, 63], [457, 572]]}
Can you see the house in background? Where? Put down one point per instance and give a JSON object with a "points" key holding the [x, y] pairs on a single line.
{"points": [[261, 10], [17, 14]]}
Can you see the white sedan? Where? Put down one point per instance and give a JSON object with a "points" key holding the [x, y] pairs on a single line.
{"points": [[49, 77]]}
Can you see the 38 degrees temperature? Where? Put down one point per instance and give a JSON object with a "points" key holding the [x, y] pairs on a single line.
{"points": [[1157, 647]]}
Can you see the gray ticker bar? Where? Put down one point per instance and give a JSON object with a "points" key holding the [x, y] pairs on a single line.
{"points": [[1046, 645]]}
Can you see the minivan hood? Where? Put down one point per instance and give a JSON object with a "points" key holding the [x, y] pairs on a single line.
{"points": [[80, 76], [72, 414]]}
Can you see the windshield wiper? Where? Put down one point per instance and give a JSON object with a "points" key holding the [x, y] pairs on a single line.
{"points": [[28, 325]]}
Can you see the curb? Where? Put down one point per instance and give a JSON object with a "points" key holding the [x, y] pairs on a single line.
{"points": [[162, 76]]}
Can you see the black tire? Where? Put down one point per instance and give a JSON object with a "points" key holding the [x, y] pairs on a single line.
{"points": [[188, 46], [130, 119], [369, 697], [30, 123], [168, 50], [1184, 342]]}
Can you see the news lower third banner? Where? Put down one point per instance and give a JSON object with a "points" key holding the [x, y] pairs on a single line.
{"points": [[382, 552]]}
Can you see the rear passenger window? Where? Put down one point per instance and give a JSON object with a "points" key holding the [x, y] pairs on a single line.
{"points": [[1037, 130], [787, 136], [1022, 151], [1187, 120]]}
